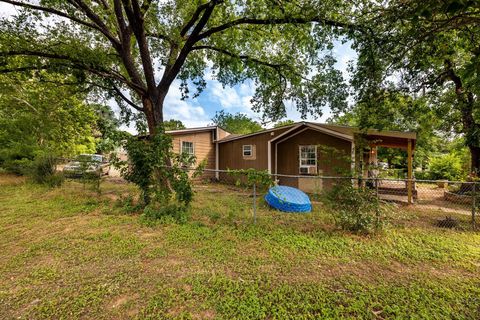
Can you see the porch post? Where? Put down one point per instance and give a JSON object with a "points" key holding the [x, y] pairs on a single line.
{"points": [[409, 171], [269, 156]]}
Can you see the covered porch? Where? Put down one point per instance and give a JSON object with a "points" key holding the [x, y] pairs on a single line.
{"points": [[388, 188]]}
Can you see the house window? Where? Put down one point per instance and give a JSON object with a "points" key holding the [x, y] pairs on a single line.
{"points": [[247, 150], [308, 158], [187, 147]]}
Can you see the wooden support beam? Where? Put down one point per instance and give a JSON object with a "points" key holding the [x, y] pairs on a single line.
{"points": [[409, 171]]}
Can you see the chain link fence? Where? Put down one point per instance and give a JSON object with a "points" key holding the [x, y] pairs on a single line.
{"points": [[451, 197]]}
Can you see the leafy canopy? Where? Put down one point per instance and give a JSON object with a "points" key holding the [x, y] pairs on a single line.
{"points": [[133, 51], [38, 116], [426, 50], [283, 123], [173, 124], [236, 123]]}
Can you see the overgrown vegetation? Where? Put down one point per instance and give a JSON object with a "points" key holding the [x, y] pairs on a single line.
{"points": [[44, 171], [162, 175], [69, 253], [262, 179], [447, 166], [355, 209]]}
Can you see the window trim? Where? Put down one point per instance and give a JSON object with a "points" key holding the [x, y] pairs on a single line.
{"points": [[251, 150], [193, 147], [300, 157]]}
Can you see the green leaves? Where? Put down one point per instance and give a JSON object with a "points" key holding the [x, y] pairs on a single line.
{"points": [[278, 45], [41, 114], [236, 123]]}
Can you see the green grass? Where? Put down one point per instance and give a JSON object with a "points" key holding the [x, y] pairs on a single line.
{"points": [[68, 253]]}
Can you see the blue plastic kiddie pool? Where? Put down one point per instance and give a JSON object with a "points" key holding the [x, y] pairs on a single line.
{"points": [[288, 199]]}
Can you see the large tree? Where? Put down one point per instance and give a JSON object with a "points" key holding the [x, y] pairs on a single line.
{"points": [[428, 49], [38, 116], [135, 50], [238, 123], [173, 124]]}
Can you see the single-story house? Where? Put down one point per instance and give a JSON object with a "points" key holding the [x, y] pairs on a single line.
{"points": [[292, 152]]}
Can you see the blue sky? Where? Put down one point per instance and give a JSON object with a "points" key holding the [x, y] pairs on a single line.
{"points": [[199, 111]]}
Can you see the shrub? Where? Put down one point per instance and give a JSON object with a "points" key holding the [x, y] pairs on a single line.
{"points": [[17, 166], [127, 204], [447, 166], [160, 173], [44, 171], [354, 209], [422, 175]]}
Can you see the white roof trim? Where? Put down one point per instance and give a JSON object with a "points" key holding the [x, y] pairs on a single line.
{"points": [[298, 125]]}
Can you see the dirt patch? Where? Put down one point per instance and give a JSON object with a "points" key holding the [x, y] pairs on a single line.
{"points": [[119, 301], [10, 179]]}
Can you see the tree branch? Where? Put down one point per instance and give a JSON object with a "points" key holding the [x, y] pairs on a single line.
{"points": [[79, 4], [137, 24], [241, 57], [76, 64], [130, 102], [52, 11], [172, 70], [193, 19]]}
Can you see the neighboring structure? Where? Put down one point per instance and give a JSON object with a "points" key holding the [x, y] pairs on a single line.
{"points": [[300, 149]]}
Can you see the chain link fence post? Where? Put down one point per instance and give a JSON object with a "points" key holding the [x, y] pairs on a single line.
{"points": [[474, 205], [254, 203]]}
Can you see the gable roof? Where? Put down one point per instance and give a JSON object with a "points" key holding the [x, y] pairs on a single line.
{"points": [[340, 131], [234, 136], [353, 130], [314, 126]]}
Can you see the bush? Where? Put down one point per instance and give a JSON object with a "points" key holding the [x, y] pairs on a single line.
{"points": [[17, 166], [157, 170], [447, 166], [354, 209], [127, 204], [422, 175], [44, 171]]}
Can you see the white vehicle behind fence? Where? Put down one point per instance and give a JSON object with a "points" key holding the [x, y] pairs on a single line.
{"points": [[87, 164]]}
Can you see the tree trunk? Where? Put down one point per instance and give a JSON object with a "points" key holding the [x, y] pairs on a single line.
{"points": [[153, 106], [471, 129], [475, 159]]}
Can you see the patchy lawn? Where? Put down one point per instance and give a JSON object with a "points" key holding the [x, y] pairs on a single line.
{"points": [[70, 253]]}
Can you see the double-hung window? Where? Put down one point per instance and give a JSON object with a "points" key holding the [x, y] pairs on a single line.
{"points": [[187, 148], [308, 156]]}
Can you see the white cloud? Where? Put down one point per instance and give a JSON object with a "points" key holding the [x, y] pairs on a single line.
{"points": [[236, 99], [227, 97], [187, 111]]}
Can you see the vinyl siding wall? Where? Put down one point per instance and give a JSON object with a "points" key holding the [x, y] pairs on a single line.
{"points": [[203, 146]]}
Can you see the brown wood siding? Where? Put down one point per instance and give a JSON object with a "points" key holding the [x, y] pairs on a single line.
{"points": [[231, 152], [203, 147], [333, 156]]}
